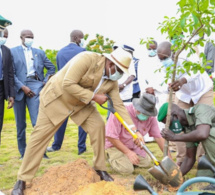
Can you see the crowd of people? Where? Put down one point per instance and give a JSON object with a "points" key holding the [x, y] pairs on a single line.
{"points": [[84, 78]]}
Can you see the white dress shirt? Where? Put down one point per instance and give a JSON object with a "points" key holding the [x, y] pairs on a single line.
{"points": [[127, 92], [29, 61], [197, 85]]}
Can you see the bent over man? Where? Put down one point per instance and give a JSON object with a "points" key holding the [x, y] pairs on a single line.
{"points": [[85, 79]]}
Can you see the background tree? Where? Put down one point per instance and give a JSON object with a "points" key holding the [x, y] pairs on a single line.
{"points": [[99, 44], [51, 55]]}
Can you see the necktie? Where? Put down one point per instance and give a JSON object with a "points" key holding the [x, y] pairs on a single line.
{"points": [[1, 66]]}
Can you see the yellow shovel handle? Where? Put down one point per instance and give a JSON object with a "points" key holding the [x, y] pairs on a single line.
{"points": [[135, 137], [125, 125]]}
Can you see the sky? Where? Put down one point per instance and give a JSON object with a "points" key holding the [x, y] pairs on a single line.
{"points": [[51, 21]]}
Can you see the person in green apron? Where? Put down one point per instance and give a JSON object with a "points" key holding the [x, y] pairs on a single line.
{"points": [[198, 124]]}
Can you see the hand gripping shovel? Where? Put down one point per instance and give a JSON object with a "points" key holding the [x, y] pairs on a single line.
{"points": [[166, 171]]}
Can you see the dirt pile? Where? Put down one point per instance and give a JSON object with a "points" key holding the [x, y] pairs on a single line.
{"points": [[65, 179], [104, 188], [74, 178]]}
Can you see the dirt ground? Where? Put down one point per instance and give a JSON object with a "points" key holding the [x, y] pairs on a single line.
{"points": [[79, 178], [75, 178]]}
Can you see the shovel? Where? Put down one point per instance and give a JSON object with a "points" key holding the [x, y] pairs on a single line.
{"points": [[166, 171]]}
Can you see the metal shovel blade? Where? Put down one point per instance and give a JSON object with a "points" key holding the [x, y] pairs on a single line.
{"points": [[172, 171], [159, 174], [167, 172]]}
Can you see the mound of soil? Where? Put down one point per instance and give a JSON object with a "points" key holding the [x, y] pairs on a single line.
{"points": [[73, 178], [104, 188], [65, 179]]}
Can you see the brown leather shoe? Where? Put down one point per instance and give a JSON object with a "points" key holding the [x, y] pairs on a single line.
{"points": [[104, 175], [19, 188]]}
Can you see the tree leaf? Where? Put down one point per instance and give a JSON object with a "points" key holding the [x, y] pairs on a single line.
{"points": [[195, 19], [208, 67], [201, 44], [203, 5], [183, 22], [212, 2]]}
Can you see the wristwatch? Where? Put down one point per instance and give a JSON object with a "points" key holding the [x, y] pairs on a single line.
{"points": [[135, 131], [124, 85]]}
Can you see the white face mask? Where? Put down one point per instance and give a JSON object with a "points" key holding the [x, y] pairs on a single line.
{"points": [[115, 76], [1, 33], [2, 40], [81, 44], [28, 42]]}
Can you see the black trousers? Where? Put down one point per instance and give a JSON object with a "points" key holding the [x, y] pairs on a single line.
{"points": [[1, 106]]}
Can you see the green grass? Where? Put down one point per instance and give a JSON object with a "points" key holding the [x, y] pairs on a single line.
{"points": [[9, 155]]}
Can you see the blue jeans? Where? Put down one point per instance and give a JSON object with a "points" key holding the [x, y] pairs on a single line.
{"points": [[59, 136]]}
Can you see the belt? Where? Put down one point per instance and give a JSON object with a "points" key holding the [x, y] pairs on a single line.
{"points": [[34, 77]]}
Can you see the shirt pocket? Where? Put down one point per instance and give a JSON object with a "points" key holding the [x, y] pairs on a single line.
{"points": [[50, 94], [86, 82]]}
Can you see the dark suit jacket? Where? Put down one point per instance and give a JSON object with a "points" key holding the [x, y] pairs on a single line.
{"points": [[8, 72], [67, 53]]}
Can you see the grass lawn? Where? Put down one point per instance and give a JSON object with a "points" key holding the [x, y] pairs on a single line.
{"points": [[9, 155]]}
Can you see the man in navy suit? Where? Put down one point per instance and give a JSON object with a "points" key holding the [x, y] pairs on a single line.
{"points": [[63, 56], [29, 64], [6, 73]]}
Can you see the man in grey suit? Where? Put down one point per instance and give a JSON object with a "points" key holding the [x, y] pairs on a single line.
{"points": [[29, 64], [209, 52]]}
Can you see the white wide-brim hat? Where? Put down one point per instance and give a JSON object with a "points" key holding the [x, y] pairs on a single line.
{"points": [[120, 58]]}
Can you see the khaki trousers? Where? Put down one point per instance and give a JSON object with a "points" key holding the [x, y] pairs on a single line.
{"points": [[45, 130], [121, 163], [207, 98]]}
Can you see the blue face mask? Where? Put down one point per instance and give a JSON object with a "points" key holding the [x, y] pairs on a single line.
{"points": [[28, 42], [81, 44], [142, 117], [173, 41], [167, 62], [2, 40], [152, 53], [115, 76]]}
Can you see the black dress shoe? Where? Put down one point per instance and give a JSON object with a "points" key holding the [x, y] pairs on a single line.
{"points": [[81, 152], [45, 156], [19, 188], [104, 175]]}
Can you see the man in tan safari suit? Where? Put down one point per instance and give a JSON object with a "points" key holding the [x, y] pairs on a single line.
{"points": [[73, 92]]}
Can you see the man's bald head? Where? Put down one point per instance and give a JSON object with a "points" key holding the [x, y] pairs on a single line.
{"points": [[76, 35], [26, 33], [164, 50]]}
